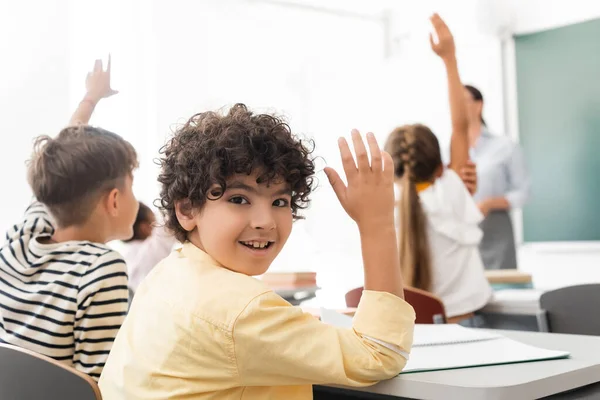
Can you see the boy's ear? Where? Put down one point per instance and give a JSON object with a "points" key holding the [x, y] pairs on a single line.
{"points": [[185, 216], [111, 202]]}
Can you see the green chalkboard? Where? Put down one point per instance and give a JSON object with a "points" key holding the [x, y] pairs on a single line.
{"points": [[558, 91]]}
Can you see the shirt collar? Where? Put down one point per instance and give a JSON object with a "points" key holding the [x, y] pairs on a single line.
{"points": [[192, 252]]}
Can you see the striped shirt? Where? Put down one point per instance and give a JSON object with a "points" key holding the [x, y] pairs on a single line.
{"points": [[64, 300]]}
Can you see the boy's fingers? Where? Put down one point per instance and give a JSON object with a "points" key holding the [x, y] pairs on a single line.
{"points": [[433, 44], [109, 63], [388, 164], [347, 159], [376, 161], [98, 66], [336, 183], [442, 23], [438, 24], [362, 159]]}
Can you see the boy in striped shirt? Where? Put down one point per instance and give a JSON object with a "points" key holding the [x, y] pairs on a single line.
{"points": [[63, 292]]}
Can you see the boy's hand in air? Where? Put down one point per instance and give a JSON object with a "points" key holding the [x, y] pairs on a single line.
{"points": [[369, 197], [97, 82], [444, 47]]}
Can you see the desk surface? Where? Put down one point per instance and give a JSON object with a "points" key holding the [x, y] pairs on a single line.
{"points": [[512, 381], [515, 301]]}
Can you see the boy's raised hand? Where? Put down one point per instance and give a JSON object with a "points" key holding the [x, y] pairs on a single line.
{"points": [[97, 82], [369, 197], [445, 45]]}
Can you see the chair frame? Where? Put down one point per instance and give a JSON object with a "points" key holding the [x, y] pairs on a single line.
{"points": [[91, 382], [543, 317]]}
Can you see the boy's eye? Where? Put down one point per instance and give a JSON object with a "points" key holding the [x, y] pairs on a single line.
{"points": [[281, 203], [238, 200]]}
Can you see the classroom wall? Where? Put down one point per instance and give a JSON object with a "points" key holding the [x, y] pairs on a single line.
{"points": [[326, 80], [327, 73], [561, 264], [33, 82], [131, 42], [536, 15], [549, 262]]}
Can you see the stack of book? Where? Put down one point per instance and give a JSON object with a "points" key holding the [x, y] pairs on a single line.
{"points": [[509, 279]]}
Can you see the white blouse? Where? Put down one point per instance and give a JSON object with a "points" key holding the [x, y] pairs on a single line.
{"points": [[453, 232]]}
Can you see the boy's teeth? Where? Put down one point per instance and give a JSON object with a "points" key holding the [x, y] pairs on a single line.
{"points": [[256, 245]]}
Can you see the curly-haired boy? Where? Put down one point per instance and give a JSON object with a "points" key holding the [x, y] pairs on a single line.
{"points": [[202, 327]]}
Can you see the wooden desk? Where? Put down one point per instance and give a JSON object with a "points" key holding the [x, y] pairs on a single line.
{"points": [[574, 378]]}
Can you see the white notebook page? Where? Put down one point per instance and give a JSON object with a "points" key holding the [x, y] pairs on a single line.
{"points": [[450, 346]]}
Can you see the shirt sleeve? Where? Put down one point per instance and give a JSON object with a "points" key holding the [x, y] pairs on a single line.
{"points": [[102, 306], [456, 194], [36, 221], [519, 181], [451, 210], [276, 344]]}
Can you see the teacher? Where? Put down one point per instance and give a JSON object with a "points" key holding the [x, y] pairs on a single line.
{"points": [[503, 185]]}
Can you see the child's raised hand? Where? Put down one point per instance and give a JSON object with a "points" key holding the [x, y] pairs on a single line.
{"points": [[369, 197], [97, 82], [468, 174], [445, 45]]}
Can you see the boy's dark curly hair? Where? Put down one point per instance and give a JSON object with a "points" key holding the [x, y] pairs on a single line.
{"points": [[210, 148]]}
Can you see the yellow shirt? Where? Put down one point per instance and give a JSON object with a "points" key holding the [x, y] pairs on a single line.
{"points": [[197, 330]]}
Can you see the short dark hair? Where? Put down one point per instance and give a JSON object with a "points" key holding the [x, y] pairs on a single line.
{"points": [[70, 172], [211, 147]]}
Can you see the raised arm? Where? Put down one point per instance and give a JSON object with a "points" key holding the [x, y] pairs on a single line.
{"points": [[378, 344], [97, 84], [369, 200], [446, 50]]}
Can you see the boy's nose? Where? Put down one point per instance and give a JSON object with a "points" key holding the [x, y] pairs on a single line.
{"points": [[263, 219]]}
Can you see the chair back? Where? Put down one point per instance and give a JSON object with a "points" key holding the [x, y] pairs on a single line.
{"points": [[429, 308], [353, 297], [573, 309], [28, 375]]}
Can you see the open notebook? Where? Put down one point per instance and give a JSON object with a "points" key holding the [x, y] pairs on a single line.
{"points": [[449, 346]]}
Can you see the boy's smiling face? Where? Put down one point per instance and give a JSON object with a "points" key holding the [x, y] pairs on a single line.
{"points": [[246, 227]]}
